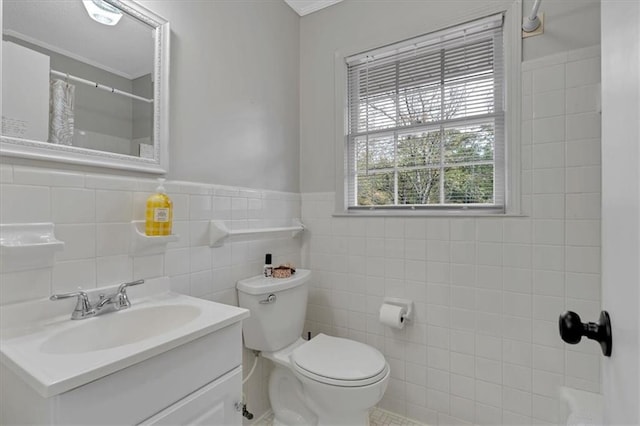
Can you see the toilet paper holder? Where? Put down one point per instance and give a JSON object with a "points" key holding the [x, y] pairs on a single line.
{"points": [[403, 303]]}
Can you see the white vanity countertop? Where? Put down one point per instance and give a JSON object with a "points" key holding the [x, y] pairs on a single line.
{"points": [[34, 335]]}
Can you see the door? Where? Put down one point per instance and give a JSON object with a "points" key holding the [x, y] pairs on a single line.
{"points": [[620, 26]]}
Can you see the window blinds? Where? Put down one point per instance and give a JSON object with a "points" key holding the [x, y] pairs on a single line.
{"points": [[426, 121]]}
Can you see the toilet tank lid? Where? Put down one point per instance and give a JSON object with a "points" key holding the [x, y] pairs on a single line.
{"points": [[263, 285]]}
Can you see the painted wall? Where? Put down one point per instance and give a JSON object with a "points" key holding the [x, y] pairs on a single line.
{"points": [[234, 92], [568, 25], [142, 111], [361, 25], [142, 114], [234, 97]]}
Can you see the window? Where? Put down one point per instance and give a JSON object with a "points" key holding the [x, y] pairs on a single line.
{"points": [[426, 123]]}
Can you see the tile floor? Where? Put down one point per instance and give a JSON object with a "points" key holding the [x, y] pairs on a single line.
{"points": [[377, 417], [380, 417]]}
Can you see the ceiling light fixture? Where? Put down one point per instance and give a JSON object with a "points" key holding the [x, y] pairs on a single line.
{"points": [[102, 12]]}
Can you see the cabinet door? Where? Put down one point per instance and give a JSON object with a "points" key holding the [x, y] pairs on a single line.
{"points": [[213, 404]]}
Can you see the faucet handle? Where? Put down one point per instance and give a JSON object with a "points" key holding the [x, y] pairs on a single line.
{"points": [[123, 299], [83, 305], [123, 287]]}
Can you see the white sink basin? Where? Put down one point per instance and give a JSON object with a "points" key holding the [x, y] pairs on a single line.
{"points": [[43, 346], [119, 328]]}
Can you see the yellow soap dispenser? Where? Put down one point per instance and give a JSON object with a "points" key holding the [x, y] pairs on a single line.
{"points": [[159, 213]]}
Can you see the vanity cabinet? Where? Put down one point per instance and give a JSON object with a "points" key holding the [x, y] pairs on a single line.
{"points": [[215, 404], [196, 383]]}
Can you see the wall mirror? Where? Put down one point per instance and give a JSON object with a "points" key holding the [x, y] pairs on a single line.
{"points": [[85, 82]]}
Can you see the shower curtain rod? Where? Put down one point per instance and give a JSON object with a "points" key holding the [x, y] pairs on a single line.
{"points": [[532, 22], [100, 86]]}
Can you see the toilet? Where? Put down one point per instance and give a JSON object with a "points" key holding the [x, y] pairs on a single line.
{"points": [[323, 381]]}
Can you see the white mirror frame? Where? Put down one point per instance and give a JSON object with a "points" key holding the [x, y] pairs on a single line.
{"points": [[25, 148]]}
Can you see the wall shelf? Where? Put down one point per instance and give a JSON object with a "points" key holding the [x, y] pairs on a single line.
{"points": [[27, 246], [219, 233], [142, 244]]}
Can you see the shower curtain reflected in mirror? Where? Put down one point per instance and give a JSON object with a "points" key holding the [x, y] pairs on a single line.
{"points": [[61, 118]]}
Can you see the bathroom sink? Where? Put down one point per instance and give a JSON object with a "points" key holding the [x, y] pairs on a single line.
{"points": [[119, 328], [54, 354]]}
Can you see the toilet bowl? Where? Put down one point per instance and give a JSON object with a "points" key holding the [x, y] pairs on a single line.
{"points": [[324, 381], [306, 387]]}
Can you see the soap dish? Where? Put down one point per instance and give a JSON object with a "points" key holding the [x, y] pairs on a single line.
{"points": [[142, 244], [27, 246]]}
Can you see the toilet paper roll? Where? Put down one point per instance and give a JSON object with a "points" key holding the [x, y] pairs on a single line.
{"points": [[392, 315]]}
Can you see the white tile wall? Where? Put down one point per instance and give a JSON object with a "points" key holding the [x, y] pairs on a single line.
{"points": [[92, 214], [484, 347]]}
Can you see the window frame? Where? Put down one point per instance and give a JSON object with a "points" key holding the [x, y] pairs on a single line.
{"points": [[512, 59]]}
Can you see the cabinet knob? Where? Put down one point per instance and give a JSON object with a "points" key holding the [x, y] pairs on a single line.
{"points": [[572, 329]]}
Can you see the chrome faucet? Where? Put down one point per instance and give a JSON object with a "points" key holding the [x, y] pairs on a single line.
{"points": [[107, 303]]}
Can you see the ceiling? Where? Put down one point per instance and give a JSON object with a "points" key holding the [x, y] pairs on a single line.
{"points": [[305, 7], [125, 49]]}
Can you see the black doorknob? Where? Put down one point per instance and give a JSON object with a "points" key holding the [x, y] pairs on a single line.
{"points": [[572, 329]]}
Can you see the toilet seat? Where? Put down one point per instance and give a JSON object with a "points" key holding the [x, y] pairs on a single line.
{"points": [[339, 362]]}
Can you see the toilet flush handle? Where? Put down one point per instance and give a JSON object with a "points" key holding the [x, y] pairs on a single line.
{"points": [[270, 299]]}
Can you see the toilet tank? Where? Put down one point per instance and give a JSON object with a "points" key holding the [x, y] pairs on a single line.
{"points": [[278, 307]]}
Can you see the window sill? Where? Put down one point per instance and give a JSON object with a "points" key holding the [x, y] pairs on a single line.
{"points": [[423, 214]]}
